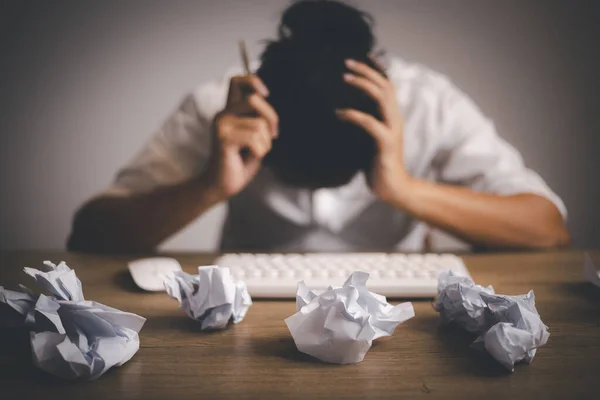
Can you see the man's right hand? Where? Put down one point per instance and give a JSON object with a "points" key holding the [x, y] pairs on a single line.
{"points": [[243, 132]]}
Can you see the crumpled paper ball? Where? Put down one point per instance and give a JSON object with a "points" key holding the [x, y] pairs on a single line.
{"points": [[71, 337], [510, 327], [516, 329], [339, 325], [459, 300], [211, 297]]}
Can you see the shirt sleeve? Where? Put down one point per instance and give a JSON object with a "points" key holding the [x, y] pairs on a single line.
{"points": [[175, 153], [472, 154]]}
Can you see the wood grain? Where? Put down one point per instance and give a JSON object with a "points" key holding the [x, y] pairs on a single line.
{"points": [[257, 358]]}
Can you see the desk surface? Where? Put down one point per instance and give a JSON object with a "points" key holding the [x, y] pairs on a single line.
{"points": [[257, 358]]}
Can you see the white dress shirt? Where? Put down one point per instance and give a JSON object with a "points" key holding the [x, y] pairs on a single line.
{"points": [[446, 139]]}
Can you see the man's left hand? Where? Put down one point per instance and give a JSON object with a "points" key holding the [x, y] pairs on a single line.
{"points": [[388, 177]]}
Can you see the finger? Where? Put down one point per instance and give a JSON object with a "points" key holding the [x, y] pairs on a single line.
{"points": [[244, 137], [241, 85], [266, 111], [259, 144], [252, 124], [372, 90], [365, 121], [249, 123], [250, 82], [376, 93], [377, 62], [235, 130], [258, 85], [256, 106], [367, 72]]}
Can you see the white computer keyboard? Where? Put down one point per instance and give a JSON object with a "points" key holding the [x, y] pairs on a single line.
{"points": [[392, 275]]}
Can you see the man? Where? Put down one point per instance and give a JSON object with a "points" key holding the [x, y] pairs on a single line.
{"points": [[325, 149]]}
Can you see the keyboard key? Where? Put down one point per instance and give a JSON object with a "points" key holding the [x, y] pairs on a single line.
{"points": [[257, 273]]}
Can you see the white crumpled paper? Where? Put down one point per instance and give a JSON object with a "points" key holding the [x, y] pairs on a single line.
{"points": [[212, 297], [459, 300], [339, 325], [510, 327], [516, 328], [71, 337]]}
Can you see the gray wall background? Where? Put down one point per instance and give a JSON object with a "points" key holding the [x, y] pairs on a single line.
{"points": [[84, 83]]}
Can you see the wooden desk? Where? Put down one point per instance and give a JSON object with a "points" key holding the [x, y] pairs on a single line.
{"points": [[258, 359]]}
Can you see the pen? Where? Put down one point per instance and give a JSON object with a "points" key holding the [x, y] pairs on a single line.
{"points": [[245, 151], [244, 55]]}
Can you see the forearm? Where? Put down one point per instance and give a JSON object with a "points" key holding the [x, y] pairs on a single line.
{"points": [[141, 222], [517, 221]]}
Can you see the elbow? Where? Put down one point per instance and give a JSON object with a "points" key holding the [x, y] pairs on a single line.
{"points": [[553, 232], [74, 243], [553, 238], [97, 229], [565, 238], [82, 241], [563, 235], [83, 237]]}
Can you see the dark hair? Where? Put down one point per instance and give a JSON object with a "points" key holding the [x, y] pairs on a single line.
{"points": [[304, 70]]}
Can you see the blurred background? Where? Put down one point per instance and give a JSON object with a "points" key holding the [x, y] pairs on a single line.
{"points": [[83, 84]]}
